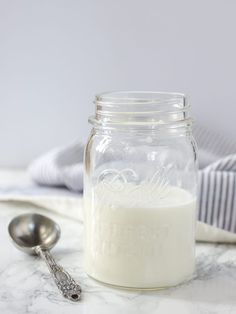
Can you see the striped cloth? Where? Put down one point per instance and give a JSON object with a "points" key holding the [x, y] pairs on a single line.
{"points": [[217, 175], [63, 166], [217, 162]]}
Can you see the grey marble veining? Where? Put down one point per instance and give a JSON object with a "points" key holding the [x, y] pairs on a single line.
{"points": [[26, 286]]}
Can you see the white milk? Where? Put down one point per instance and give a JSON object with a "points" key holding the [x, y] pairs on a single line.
{"points": [[137, 237]]}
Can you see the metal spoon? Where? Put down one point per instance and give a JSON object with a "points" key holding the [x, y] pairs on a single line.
{"points": [[36, 234]]}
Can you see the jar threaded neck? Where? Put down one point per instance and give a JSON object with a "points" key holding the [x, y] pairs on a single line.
{"points": [[141, 109]]}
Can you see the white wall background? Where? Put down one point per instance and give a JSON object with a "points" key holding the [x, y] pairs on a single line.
{"points": [[56, 54]]}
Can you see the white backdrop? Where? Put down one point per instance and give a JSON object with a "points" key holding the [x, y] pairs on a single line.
{"points": [[55, 55]]}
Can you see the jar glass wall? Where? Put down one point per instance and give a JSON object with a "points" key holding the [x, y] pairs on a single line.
{"points": [[140, 190]]}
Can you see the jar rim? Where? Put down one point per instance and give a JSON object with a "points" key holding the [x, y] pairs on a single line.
{"points": [[140, 108], [138, 97]]}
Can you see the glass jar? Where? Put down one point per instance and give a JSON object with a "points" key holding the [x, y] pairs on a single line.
{"points": [[140, 190]]}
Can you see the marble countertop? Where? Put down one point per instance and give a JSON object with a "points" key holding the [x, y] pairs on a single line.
{"points": [[26, 286]]}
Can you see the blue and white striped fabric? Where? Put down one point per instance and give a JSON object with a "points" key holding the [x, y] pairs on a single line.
{"points": [[217, 175], [62, 166]]}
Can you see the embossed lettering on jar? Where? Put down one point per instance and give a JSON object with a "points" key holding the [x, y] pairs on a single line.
{"points": [[140, 190]]}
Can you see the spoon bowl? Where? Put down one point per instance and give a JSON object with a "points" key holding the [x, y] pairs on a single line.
{"points": [[29, 231]]}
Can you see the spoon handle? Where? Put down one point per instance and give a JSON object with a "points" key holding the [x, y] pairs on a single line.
{"points": [[65, 283]]}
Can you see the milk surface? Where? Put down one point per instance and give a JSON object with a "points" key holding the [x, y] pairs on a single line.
{"points": [[137, 236]]}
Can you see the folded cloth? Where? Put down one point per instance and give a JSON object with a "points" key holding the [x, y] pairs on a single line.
{"points": [[62, 166], [217, 175]]}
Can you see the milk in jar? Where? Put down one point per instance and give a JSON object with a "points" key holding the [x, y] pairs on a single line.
{"points": [[143, 244]]}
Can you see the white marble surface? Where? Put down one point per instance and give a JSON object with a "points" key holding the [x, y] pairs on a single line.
{"points": [[26, 286]]}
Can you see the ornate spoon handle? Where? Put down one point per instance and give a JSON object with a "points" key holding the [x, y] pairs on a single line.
{"points": [[65, 283]]}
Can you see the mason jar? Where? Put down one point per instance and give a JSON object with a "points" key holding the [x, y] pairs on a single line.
{"points": [[140, 190]]}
